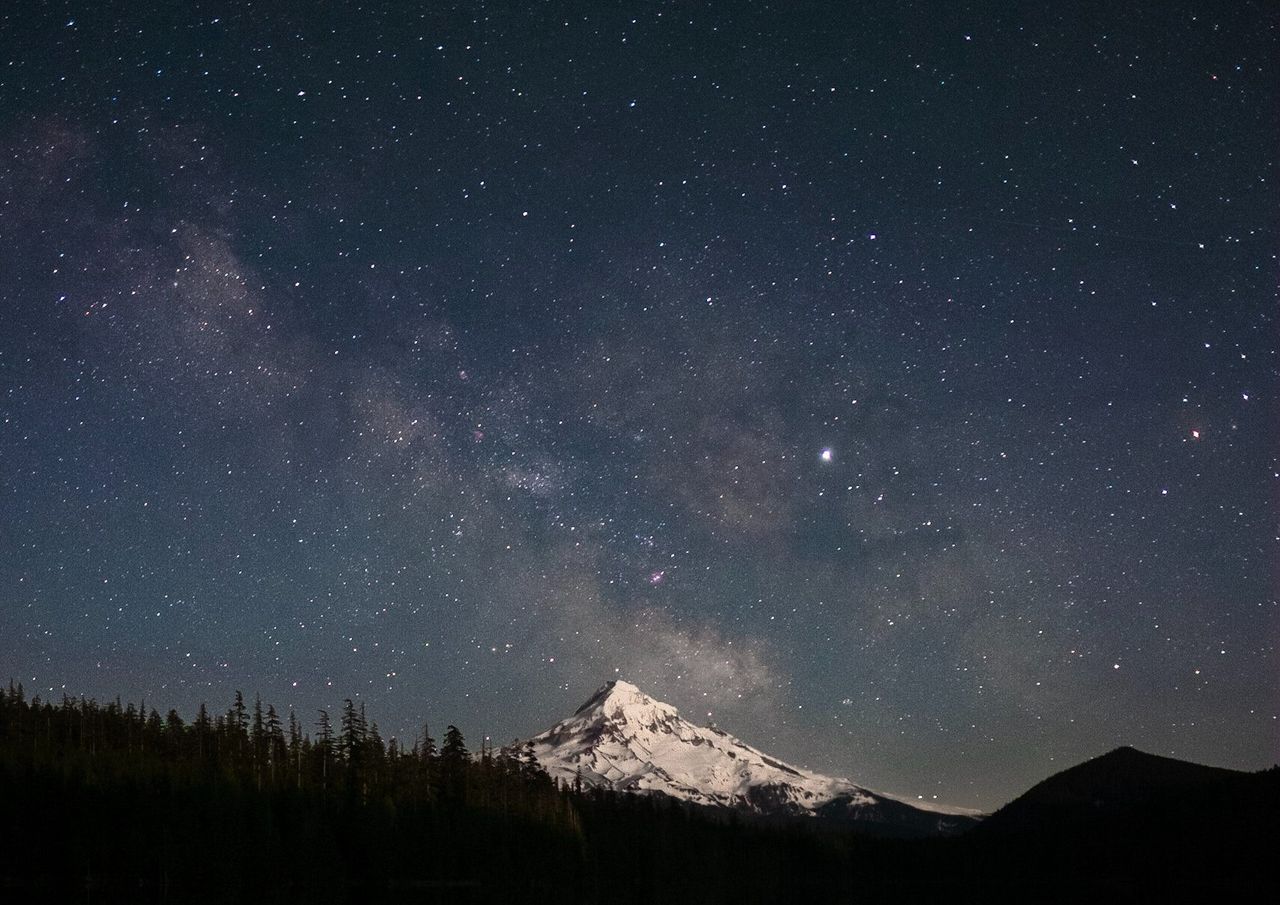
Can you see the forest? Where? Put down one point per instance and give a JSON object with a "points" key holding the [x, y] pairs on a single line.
{"points": [[119, 803]]}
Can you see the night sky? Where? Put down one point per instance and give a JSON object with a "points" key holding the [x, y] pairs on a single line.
{"points": [[894, 385]]}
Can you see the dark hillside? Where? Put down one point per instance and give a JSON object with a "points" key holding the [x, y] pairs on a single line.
{"points": [[1128, 816]]}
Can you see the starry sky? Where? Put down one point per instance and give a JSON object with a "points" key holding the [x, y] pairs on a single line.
{"points": [[894, 385]]}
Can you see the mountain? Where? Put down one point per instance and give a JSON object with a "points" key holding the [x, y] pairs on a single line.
{"points": [[624, 740], [1126, 787], [1129, 822]]}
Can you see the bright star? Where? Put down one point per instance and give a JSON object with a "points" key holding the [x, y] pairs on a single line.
{"points": [[825, 455]]}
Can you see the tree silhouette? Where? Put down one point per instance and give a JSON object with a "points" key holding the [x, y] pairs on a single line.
{"points": [[453, 761], [324, 746]]}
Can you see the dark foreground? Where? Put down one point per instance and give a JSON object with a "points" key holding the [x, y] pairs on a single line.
{"points": [[113, 804]]}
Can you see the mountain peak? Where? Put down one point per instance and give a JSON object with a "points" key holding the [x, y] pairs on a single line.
{"points": [[623, 739], [613, 693], [609, 690], [624, 708]]}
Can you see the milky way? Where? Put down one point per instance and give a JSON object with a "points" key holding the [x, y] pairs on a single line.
{"points": [[895, 388]]}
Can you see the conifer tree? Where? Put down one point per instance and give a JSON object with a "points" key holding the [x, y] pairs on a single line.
{"points": [[454, 759], [174, 734], [295, 746], [376, 748], [203, 731], [258, 740], [130, 717], [173, 723], [238, 724], [275, 741], [455, 746], [529, 765], [427, 754], [324, 745], [351, 734]]}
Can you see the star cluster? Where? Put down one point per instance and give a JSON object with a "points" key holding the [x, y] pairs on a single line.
{"points": [[897, 384]]}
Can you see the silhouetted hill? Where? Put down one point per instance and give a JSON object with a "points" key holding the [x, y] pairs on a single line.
{"points": [[1128, 785], [1129, 819]]}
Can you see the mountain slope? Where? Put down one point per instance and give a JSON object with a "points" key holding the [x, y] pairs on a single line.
{"points": [[1126, 787], [1131, 826], [624, 740]]}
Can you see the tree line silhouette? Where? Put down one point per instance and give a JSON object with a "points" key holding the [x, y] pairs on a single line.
{"points": [[251, 747], [116, 802]]}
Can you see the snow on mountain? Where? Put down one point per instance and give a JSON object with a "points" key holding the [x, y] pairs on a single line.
{"points": [[625, 740]]}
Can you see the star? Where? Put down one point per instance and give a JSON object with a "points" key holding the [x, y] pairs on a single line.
{"points": [[826, 455]]}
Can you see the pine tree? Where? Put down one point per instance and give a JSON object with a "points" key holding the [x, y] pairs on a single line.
{"points": [[130, 717], [238, 725], [324, 745], [154, 729], [376, 749], [427, 755], [295, 746], [204, 731], [258, 741], [529, 766], [454, 759], [375, 754], [455, 746], [275, 740], [173, 723], [351, 734]]}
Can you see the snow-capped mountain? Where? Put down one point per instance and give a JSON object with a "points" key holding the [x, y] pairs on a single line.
{"points": [[625, 740]]}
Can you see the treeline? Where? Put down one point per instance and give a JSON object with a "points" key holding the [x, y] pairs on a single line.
{"points": [[117, 802], [251, 746]]}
